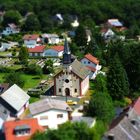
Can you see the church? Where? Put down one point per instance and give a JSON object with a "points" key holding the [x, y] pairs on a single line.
{"points": [[73, 79]]}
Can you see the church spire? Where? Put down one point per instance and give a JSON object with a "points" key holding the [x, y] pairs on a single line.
{"points": [[67, 53]]}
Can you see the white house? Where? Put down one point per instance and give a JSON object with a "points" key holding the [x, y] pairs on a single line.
{"points": [[7, 45], [50, 112], [107, 34], [13, 102], [75, 23], [31, 40], [92, 63], [54, 51], [51, 38], [11, 29]]}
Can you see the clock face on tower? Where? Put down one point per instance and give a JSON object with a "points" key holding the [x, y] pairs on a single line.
{"points": [[66, 80]]}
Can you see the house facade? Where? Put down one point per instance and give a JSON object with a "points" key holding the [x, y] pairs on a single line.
{"points": [[50, 113], [54, 51], [31, 40], [11, 29], [73, 80], [92, 63], [51, 38]]}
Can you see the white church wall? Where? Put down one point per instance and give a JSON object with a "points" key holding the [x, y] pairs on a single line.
{"points": [[85, 85]]}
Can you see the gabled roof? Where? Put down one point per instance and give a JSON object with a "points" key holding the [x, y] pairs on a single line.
{"points": [[31, 37], [79, 69], [10, 126], [115, 22], [136, 106], [39, 49], [58, 48], [92, 58], [15, 97], [48, 104]]}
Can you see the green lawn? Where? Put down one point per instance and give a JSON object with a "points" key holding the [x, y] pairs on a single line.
{"points": [[33, 99]]}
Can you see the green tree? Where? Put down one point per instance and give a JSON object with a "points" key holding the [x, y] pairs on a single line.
{"points": [[48, 67], [11, 16], [23, 55], [14, 78], [80, 37], [101, 106], [117, 80], [101, 83], [32, 23]]}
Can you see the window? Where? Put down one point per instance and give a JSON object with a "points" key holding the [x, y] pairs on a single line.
{"points": [[88, 62], [84, 62], [43, 117], [75, 90], [59, 115], [67, 81], [59, 89]]}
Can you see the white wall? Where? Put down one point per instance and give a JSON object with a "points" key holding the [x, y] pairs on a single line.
{"points": [[74, 83], [85, 85], [9, 31], [52, 121], [30, 43], [86, 62], [51, 52]]}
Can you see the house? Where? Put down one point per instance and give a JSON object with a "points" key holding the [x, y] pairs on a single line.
{"points": [[92, 63], [126, 126], [50, 112], [36, 51], [51, 38], [73, 79], [31, 40], [11, 29], [54, 51], [21, 129], [7, 45], [74, 19], [13, 103], [107, 34], [58, 18]]}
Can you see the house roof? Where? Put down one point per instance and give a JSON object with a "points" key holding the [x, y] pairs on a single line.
{"points": [[58, 48], [36, 49], [11, 126], [15, 97], [50, 36], [4, 87], [136, 106], [92, 58], [79, 69], [31, 37], [48, 104], [115, 22]]}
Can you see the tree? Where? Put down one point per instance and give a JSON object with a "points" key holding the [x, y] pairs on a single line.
{"points": [[48, 67], [14, 78], [101, 106], [11, 16], [66, 131], [34, 69], [32, 23], [100, 83], [80, 37], [23, 55], [117, 80]]}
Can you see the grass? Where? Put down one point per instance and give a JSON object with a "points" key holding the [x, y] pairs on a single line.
{"points": [[33, 99]]}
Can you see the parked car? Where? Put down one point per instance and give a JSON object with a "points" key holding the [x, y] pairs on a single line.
{"points": [[71, 102]]}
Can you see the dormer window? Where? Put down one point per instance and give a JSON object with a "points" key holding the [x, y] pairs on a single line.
{"points": [[22, 130]]}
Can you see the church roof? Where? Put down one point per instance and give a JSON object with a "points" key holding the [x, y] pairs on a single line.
{"points": [[79, 69]]}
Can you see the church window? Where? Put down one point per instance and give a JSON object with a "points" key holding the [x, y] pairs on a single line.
{"points": [[75, 90], [59, 89], [67, 81]]}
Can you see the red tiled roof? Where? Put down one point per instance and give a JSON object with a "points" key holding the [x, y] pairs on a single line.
{"points": [[91, 68], [36, 49], [9, 127], [58, 48], [31, 37], [92, 58], [136, 106]]}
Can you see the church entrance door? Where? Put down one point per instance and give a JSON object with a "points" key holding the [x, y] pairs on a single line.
{"points": [[67, 91]]}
